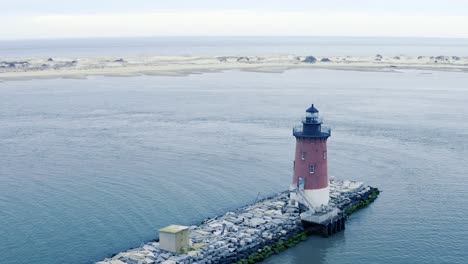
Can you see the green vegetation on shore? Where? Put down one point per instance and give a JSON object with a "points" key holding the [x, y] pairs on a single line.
{"points": [[362, 203], [276, 248]]}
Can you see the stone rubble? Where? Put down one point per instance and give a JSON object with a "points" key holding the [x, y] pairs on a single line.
{"points": [[235, 235], [345, 193]]}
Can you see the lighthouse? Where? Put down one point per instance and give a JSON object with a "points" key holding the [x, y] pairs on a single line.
{"points": [[310, 162]]}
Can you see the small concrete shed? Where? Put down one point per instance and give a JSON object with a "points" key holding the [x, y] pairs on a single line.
{"points": [[174, 238]]}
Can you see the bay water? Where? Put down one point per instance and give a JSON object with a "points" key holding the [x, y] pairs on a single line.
{"points": [[237, 46], [92, 167]]}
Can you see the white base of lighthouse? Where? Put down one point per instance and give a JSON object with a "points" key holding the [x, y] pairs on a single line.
{"points": [[318, 197]]}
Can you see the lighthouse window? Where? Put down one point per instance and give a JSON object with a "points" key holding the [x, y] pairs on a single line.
{"points": [[311, 169], [324, 155], [303, 156]]}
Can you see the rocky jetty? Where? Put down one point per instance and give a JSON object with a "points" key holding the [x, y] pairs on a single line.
{"points": [[248, 234]]}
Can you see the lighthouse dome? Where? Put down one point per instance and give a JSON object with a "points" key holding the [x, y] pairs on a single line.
{"points": [[312, 109]]}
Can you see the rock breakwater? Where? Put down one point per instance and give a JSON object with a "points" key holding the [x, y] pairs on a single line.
{"points": [[251, 233]]}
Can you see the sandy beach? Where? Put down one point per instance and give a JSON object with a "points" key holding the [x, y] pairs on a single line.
{"points": [[51, 68]]}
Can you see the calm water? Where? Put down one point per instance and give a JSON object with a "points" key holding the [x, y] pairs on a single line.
{"points": [[92, 167], [324, 46]]}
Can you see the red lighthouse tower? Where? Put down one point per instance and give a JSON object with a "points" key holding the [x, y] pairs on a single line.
{"points": [[310, 163]]}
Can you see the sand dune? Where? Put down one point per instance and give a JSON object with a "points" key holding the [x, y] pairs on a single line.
{"points": [[40, 68]]}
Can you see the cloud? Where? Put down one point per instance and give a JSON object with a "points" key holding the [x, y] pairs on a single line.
{"points": [[231, 23]]}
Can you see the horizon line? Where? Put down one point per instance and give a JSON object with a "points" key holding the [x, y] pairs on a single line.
{"points": [[232, 36]]}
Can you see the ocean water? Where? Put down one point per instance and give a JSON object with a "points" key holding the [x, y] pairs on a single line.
{"points": [[239, 46], [92, 167]]}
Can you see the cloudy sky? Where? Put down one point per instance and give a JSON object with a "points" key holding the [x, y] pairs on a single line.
{"points": [[29, 19]]}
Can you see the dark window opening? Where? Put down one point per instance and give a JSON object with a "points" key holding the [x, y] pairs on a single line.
{"points": [[311, 169]]}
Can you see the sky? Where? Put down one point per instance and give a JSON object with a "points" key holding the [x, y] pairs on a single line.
{"points": [[34, 19]]}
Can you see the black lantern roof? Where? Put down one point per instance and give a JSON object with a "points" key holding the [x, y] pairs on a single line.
{"points": [[312, 109]]}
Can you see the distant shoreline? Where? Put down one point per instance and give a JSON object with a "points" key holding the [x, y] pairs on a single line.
{"points": [[81, 68]]}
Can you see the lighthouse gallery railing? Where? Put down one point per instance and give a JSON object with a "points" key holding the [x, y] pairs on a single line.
{"points": [[299, 130]]}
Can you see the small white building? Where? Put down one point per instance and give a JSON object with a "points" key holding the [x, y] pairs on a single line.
{"points": [[174, 238]]}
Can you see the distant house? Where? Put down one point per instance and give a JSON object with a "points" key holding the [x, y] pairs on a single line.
{"points": [[14, 64], [310, 59]]}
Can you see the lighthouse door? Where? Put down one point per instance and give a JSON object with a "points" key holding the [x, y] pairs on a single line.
{"points": [[300, 184]]}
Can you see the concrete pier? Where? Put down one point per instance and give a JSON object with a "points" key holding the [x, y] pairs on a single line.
{"points": [[330, 227], [254, 232]]}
